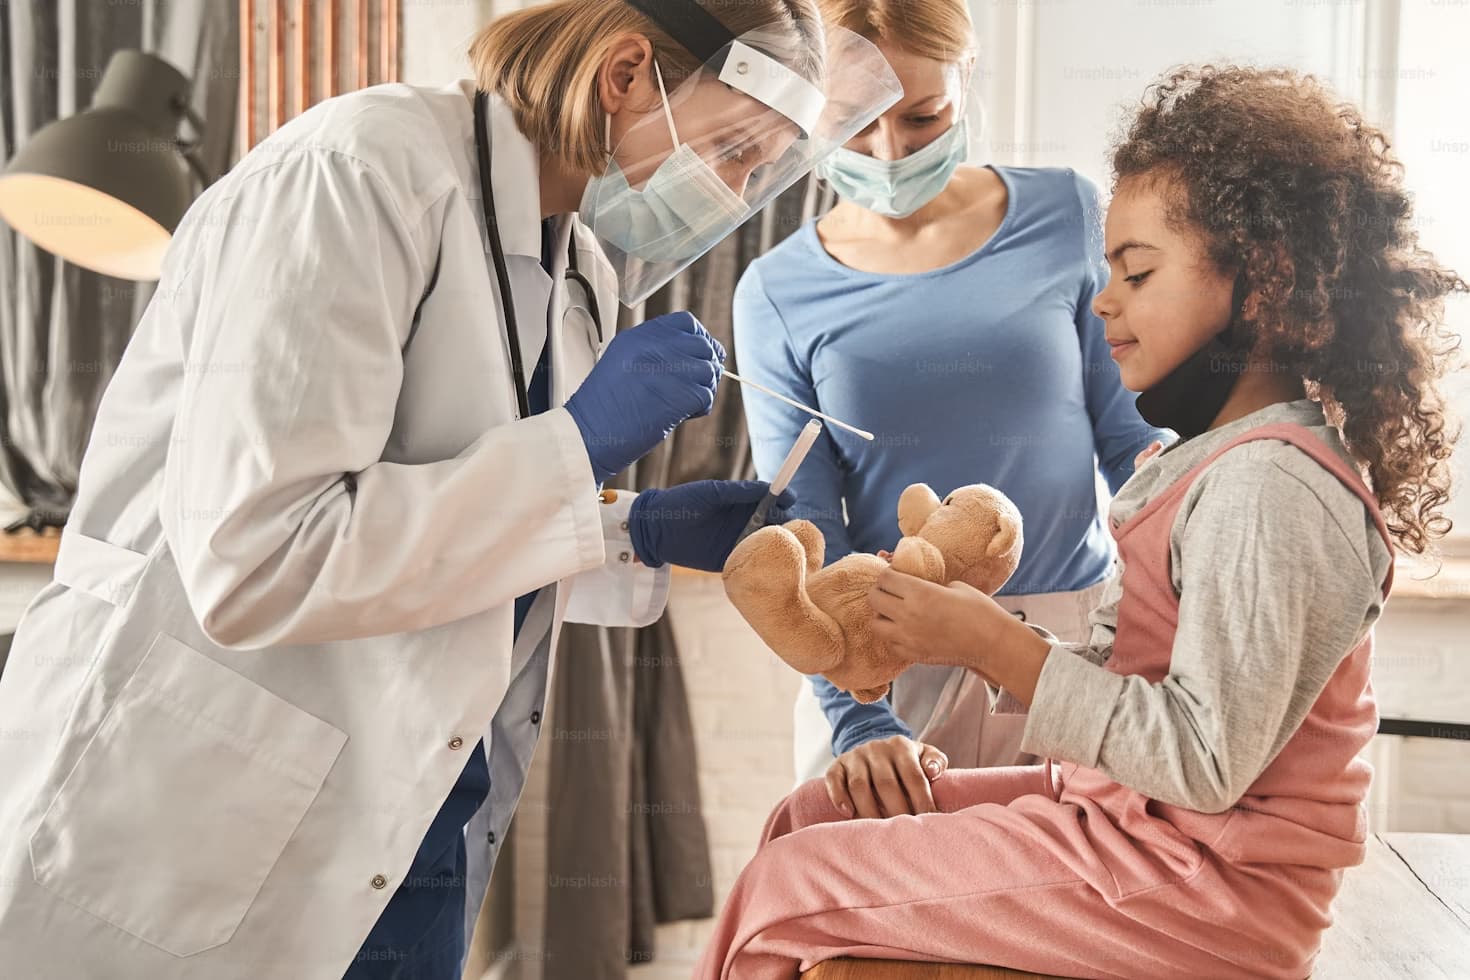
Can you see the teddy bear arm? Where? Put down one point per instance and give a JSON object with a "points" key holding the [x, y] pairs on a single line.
{"points": [[920, 558], [813, 543]]}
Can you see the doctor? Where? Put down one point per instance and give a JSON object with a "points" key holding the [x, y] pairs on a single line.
{"points": [[343, 491]]}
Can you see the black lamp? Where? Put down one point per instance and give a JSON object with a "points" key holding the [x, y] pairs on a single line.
{"points": [[105, 188]]}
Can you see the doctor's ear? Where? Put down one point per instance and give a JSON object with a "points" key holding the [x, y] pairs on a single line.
{"points": [[627, 73]]}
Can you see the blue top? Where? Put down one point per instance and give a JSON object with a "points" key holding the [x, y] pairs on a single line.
{"points": [[993, 369]]}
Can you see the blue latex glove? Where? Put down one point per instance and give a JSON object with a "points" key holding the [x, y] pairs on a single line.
{"points": [[696, 524], [650, 378]]}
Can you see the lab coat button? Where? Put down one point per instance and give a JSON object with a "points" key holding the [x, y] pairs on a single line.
{"points": [[624, 557], [379, 881], [623, 526], [456, 742], [490, 837], [535, 717]]}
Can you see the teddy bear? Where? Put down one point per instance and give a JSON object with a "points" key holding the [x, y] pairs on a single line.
{"points": [[819, 620]]}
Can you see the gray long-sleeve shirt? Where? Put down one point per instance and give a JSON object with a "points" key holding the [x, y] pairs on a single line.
{"points": [[1279, 570]]}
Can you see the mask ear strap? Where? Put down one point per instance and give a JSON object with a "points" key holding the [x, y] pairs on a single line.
{"points": [[668, 113]]}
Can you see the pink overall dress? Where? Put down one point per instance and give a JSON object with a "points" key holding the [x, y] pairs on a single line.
{"points": [[1064, 870]]}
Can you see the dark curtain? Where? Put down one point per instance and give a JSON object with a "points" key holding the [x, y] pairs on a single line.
{"points": [[63, 328], [625, 814]]}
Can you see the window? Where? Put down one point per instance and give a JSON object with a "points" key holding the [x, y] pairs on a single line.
{"points": [[1431, 135]]}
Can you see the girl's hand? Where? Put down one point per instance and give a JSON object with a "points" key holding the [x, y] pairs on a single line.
{"points": [[926, 623], [1148, 454], [885, 777], [959, 625]]}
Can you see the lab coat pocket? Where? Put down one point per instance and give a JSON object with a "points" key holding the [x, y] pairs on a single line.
{"points": [[175, 850]]}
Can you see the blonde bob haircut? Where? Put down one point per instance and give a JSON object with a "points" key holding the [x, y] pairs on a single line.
{"points": [[544, 61], [937, 29]]}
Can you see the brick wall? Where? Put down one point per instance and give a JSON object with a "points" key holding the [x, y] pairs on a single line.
{"points": [[1421, 672]]}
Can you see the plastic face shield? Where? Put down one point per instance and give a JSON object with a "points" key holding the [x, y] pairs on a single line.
{"points": [[723, 142]]}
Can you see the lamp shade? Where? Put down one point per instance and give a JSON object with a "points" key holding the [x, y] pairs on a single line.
{"points": [[106, 188]]}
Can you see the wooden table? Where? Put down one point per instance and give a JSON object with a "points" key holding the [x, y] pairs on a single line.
{"points": [[1404, 914], [30, 546]]}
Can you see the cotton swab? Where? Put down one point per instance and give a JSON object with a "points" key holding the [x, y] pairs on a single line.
{"points": [[794, 404]]}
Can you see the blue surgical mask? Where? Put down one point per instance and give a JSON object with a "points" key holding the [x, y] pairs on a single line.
{"points": [[682, 211], [897, 188]]}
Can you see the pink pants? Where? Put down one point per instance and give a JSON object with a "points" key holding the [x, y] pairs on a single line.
{"points": [[1003, 875]]}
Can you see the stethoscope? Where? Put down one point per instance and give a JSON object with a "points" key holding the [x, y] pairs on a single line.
{"points": [[502, 274]]}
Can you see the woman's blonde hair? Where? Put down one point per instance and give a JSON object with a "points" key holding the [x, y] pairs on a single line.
{"points": [[937, 29], [543, 62]]}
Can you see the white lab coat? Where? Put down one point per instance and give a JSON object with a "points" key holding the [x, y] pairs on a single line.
{"points": [[282, 611]]}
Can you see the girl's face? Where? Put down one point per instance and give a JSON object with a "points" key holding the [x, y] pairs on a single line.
{"points": [[929, 107], [1165, 299]]}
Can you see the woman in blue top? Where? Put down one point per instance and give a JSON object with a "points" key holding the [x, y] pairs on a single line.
{"points": [[949, 310]]}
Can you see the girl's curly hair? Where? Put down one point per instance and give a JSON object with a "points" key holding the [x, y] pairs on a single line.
{"points": [[1291, 189]]}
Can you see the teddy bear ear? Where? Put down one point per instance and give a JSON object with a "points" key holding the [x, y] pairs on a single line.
{"points": [[1005, 538], [915, 505]]}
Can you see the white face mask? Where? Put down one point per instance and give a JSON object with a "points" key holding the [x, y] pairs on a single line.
{"points": [[682, 211]]}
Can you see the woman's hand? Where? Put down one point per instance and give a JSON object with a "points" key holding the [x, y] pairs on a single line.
{"points": [[959, 625], [885, 777]]}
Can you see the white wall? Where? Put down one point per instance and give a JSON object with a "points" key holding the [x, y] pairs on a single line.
{"points": [[436, 34], [1062, 69], [1431, 128]]}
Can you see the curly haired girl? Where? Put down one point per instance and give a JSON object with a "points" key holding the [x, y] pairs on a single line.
{"points": [[1271, 304]]}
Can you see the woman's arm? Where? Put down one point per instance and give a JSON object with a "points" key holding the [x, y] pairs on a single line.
{"points": [[854, 723], [286, 524], [1118, 431], [764, 351]]}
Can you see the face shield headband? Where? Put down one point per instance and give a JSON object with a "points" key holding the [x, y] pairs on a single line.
{"points": [[740, 66]]}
